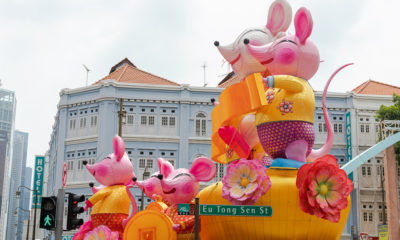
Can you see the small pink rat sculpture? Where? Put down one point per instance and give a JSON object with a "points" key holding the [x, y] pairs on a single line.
{"points": [[285, 124], [179, 186], [111, 201]]}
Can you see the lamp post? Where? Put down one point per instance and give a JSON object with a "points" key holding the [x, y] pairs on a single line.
{"points": [[29, 219], [18, 193]]}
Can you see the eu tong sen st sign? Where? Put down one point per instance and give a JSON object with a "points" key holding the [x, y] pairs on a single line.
{"points": [[234, 210]]}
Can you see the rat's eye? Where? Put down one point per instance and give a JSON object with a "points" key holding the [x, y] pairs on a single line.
{"points": [[182, 174]]}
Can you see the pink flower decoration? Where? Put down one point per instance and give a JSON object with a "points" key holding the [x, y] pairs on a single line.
{"points": [[101, 233], [245, 181], [323, 188], [285, 107], [270, 95]]}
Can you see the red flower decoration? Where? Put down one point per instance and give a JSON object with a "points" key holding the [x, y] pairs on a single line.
{"points": [[323, 188], [285, 107]]}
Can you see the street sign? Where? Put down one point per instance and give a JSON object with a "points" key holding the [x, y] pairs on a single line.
{"points": [[38, 181], [383, 232], [235, 210], [64, 175], [185, 209], [348, 141]]}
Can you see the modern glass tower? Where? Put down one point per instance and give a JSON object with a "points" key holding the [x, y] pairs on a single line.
{"points": [[7, 118]]}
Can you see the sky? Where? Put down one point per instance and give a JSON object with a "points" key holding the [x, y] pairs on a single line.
{"points": [[43, 44]]}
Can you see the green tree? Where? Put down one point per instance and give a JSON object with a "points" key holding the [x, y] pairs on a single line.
{"points": [[391, 113]]}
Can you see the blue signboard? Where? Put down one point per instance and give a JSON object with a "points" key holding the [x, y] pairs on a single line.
{"points": [[348, 141], [38, 181]]}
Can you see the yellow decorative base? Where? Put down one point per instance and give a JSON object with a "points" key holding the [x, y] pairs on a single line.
{"points": [[288, 221]]}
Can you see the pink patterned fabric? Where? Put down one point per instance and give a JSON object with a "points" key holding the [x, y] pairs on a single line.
{"points": [[276, 136]]}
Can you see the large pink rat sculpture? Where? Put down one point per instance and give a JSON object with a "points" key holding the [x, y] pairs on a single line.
{"points": [[243, 63], [111, 201], [179, 186], [285, 124]]}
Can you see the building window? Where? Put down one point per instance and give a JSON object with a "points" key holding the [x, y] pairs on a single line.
{"points": [[82, 122], [320, 127], [370, 216], [129, 119], [367, 128], [363, 171], [149, 163], [380, 217], [172, 121], [369, 171], [220, 171], [70, 165], [201, 124], [93, 121], [142, 163], [143, 120], [335, 127], [340, 128], [378, 172], [365, 216], [362, 128], [172, 161], [164, 121], [151, 120], [80, 165], [72, 124]]}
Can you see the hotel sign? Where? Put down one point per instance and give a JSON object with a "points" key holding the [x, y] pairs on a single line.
{"points": [[38, 181], [348, 141]]}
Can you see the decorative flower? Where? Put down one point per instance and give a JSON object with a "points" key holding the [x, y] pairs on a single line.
{"points": [[245, 181], [101, 233], [270, 95], [266, 161], [285, 107], [323, 188]]}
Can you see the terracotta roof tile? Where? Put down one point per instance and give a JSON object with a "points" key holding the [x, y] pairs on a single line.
{"points": [[376, 88], [131, 74], [229, 80]]}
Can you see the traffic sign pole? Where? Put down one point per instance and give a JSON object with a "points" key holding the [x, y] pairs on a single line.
{"points": [[196, 219], [60, 213]]}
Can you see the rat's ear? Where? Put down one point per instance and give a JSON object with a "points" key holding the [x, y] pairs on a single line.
{"points": [[119, 147], [203, 169], [165, 167], [303, 24], [279, 17]]}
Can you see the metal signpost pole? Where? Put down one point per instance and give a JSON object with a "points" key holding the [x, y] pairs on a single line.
{"points": [[34, 216], [196, 219], [60, 213]]}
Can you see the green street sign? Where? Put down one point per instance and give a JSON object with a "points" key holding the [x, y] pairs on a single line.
{"points": [[235, 210], [185, 209]]}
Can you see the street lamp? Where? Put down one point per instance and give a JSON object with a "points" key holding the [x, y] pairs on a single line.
{"points": [[29, 218], [18, 193]]}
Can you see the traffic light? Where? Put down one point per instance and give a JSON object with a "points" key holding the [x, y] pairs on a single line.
{"points": [[73, 210], [48, 213]]}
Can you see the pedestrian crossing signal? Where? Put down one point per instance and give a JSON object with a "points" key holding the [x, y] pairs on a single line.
{"points": [[48, 213]]}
